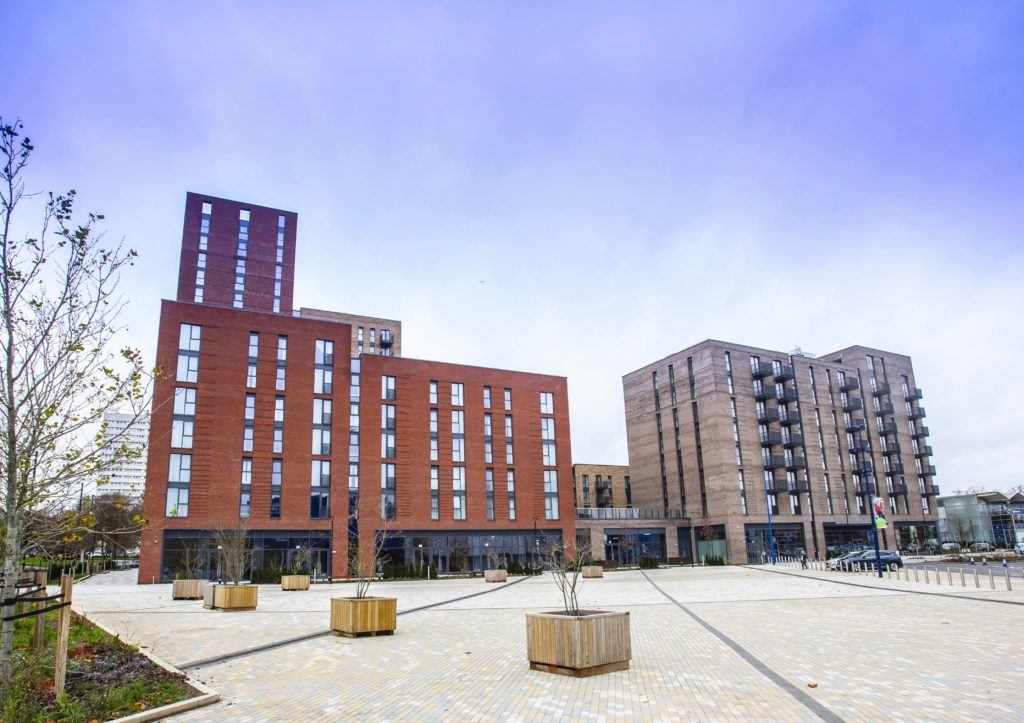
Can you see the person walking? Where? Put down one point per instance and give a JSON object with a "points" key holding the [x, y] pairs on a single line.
{"points": [[803, 558]]}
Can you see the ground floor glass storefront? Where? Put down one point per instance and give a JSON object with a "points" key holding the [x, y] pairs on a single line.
{"points": [[912, 537], [471, 551], [270, 549], [789, 541], [625, 546], [712, 547]]}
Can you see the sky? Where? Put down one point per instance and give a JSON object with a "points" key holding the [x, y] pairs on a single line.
{"points": [[578, 188]]}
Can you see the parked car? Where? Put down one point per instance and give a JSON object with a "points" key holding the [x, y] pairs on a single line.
{"points": [[890, 559], [949, 547], [982, 547], [839, 563], [1019, 548]]}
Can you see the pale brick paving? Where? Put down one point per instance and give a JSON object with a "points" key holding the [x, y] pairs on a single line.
{"points": [[878, 654]]}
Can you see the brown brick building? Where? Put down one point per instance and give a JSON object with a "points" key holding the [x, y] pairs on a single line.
{"points": [[309, 424], [600, 486], [744, 440]]}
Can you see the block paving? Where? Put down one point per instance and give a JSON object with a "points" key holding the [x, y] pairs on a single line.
{"points": [[874, 652]]}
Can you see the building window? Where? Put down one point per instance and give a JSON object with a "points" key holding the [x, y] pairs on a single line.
{"points": [[181, 433], [550, 494], [489, 479], [179, 476], [282, 360], [323, 371], [278, 441], [387, 491], [458, 436], [547, 403], [373, 340], [547, 435], [433, 392], [487, 397], [458, 493], [245, 505], [387, 388], [508, 439], [508, 400], [456, 394], [435, 495], [387, 445], [275, 488], [322, 441], [188, 353], [359, 341], [511, 477], [433, 435], [488, 440]]}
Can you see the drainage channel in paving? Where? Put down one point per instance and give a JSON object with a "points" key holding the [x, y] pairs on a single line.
{"points": [[800, 696], [217, 660]]}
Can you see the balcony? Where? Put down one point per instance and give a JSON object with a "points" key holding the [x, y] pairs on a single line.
{"points": [[790, 418], [892, 449], [850, 384], [899, 489], [786, 395], [919, 432], [888, 430], [387, 339], [796, 463], [799, 488], [863, 471], [605, 486], [861, 447], [860, 490], [896, 469], [917, 413], [793, 440], [855, 425], [882, 389], [770, 439], [928, 470], [761, 370], [629, 513], [853, 404], [773, 461], [914, 395], [765, 393], [930, 491], [924, 451], [885, 409], [768, 415], [777, 487], [784, 373]]}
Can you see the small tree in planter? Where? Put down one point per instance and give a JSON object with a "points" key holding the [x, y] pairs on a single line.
{"points": [[572, 641], [186, 585], [299, 577], [364, 614], [495, 571], [232, 541]]}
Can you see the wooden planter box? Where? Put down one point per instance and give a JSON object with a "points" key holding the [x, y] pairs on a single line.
{"points": [[593, 571], [294, 582], [186, 590], [495, 575], [354, 617], [231, 597], [591, 643]]}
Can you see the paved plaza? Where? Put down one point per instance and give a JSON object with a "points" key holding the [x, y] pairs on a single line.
{"points": [[709, 643]]}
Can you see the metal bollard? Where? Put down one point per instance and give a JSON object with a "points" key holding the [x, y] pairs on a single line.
{"points": [[1006, 571], [926, 576], [949, 575], [963, 582], [915, 575], [938, 576], [991, 579], [977, 584]]}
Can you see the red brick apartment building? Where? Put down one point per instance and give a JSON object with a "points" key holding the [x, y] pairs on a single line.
{"points": [[309, 424]]}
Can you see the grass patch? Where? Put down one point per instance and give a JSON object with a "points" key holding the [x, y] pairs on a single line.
{"points": [[106, 678]]}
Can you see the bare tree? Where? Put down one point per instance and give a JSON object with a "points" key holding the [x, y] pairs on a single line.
{"points": [[363, 568], [565, 563], [191, 560], [232, 540], [59, 368], [300, 561]]}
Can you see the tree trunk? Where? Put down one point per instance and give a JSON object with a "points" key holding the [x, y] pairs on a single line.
{"points": [[12, 552]]}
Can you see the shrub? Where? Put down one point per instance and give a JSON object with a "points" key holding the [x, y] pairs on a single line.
{"points": [[266, 576], [649, 562], [714, 560]]}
